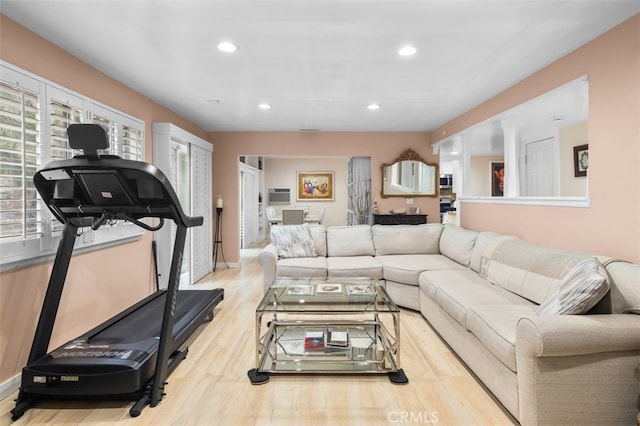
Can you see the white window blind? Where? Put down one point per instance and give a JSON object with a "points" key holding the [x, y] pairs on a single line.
{"points": [[20, 154], [34, 117], [131, 143], [64, 109]]}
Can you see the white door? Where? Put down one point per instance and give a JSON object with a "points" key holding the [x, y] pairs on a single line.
{"points": [[186, 161], [249, 207], [201, 244], [540, 160]]}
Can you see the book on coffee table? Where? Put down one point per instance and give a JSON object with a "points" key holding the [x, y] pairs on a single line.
{"points": [[337, 340], [314, 340]]}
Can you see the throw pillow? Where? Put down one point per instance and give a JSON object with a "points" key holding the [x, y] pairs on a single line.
{"points": [[578, 291], [293, 241]]}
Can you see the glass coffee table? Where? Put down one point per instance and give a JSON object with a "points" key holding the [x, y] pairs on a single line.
{"points": [[334, 326]]}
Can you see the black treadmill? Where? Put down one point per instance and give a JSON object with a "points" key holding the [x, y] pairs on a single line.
{"points": [[130, 355]]}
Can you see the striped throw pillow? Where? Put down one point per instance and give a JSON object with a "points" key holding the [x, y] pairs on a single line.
{"points": [[293, 241], [578, 291]]}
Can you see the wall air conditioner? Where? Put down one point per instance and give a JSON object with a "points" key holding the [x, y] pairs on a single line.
{"points": [[279, 195]]}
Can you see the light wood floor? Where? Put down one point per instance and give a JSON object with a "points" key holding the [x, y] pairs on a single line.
{"points": [[210, 387]]}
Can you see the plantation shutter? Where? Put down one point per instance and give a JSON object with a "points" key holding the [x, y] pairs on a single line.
{"points": [[131, 143], [20, 157], [112, 132]]}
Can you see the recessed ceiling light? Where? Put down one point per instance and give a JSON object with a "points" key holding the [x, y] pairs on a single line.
{"points": [[264, 105], [407, 50], [227, 47], [373, 107]]}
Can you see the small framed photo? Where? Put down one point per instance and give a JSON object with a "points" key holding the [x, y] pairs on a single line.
{"points": [[300, 290], [329, 288], [580, 160], [360, 290]]}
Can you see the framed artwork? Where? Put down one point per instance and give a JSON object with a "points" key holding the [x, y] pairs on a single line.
{"points": [[315, 186], [497, 179], [580, 160]]}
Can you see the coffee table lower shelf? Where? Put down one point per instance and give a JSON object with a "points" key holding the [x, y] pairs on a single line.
{"points": [[371, 349]]}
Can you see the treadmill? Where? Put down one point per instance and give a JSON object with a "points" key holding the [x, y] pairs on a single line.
{"points": [[130, 355]]}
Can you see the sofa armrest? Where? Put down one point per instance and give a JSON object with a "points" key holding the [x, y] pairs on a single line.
{"points": [[566, 335], [267, 258], [577, 369]]}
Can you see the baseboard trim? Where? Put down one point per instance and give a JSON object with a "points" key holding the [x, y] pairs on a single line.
{"points": [[9, 387]]}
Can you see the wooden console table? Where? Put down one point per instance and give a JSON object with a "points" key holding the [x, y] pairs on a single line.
{"points": [[399, 219]]}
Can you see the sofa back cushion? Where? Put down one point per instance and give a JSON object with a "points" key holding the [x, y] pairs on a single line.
{"points": [[407, 239], [457, 243], [624, 277], [349, 241], [319, 236], [526, 269], [482, 242]]}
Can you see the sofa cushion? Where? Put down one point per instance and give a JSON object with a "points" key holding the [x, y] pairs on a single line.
{"points": [[293, 241], [495, 326], [624, 278], [302, 267], [319, 236], [407, 239], [526, 269], [483, 239], [430, 281], [354, 266], [349, 241], [405, 268], [407, 296], [457, 299], [457, 243], [578, 291]]}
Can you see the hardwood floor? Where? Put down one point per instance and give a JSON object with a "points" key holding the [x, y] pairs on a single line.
{"points": [[210, 387]]}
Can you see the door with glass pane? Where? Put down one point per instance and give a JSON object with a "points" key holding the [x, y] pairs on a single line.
{"points": [[186, 161], [180, 177]]}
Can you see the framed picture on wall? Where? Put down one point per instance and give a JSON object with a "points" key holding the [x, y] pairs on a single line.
{"points": [[580, 160], [315, 186], [497, 179]]}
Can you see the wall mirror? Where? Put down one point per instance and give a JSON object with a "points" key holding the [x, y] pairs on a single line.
{"points": [[409, 176]]}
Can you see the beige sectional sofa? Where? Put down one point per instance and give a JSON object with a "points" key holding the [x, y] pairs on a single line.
{"points": [[482, 292]]}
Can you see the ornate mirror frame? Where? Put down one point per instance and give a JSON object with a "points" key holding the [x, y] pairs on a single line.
{"points": [[409, 157]]}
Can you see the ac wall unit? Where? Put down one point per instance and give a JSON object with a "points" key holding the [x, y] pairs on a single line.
{"points": [[279, 195]]}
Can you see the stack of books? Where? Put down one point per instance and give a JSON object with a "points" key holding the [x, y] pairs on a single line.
{"points": [[337, 340], [334, 340]]}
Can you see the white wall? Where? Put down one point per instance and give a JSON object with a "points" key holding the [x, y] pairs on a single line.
{"points": [[281, 173]]}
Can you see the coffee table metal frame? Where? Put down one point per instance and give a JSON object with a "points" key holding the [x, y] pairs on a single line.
{"points": [[294, 306]]}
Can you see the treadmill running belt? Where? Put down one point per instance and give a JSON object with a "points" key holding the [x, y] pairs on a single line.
{"points": [[146, 322]]}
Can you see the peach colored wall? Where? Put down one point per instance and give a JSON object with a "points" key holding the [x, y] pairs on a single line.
{"points": [[611, 225], [97, 285], [382, 147]]}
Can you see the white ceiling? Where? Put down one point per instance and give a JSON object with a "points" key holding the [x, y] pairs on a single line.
{"points": [[319, 62]]}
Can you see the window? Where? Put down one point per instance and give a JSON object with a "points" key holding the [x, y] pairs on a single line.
{"points": [[34, 116]]}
